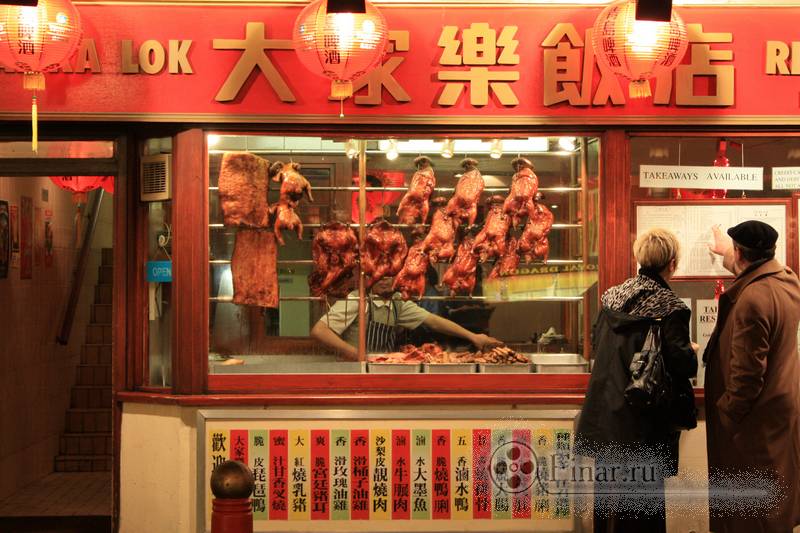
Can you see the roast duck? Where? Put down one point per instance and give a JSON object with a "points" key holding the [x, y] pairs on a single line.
{"points": [[439, 244], [533, 242], [460, 277], [385, 250], [463, 206], [490, 243], [293, 186], [410, 282], [334, 251], [414, 206], [508, 263], [243, 185], [524, 186]]}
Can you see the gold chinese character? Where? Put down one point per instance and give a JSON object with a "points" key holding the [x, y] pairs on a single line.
{"points": [[478, 49], [701, 55], [253, 56], [383, 76], [568, 62]]}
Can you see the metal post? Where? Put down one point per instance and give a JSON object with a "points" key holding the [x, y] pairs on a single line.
{"points": [[362, 220]]}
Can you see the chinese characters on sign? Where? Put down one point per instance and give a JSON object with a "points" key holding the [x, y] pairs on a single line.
{"points": [[400, 474]]}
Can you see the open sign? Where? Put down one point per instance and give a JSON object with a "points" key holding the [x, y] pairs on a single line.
{"points": [[159, 271]]}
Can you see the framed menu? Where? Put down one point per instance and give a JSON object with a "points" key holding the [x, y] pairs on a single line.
{"points": [[691, 221]]}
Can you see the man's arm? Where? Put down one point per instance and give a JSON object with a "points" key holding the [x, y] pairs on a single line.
{"points": [[723, 245], [322, 333], [448, 327]]}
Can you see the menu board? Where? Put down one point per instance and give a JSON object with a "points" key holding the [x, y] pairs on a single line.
{"points": [[359, 475], [692, 224]]}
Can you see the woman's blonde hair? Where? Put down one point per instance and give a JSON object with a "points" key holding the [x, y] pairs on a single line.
{"points": [[655, 248]]}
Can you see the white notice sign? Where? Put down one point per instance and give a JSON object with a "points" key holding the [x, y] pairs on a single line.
{"points": [[785, 178], [706, 314], [679, 177], [692, 225]]}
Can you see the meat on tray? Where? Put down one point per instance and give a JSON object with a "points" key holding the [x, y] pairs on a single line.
{"points": [[254, 268], [414, 206], [243, 190], [334, 251], [490, 243], [524, 186], [410, 281], [464, 203], [440, 242], [385, 251], [432, 353], [460, 277]]}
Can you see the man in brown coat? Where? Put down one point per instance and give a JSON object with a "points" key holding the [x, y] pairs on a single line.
{"points": [[752, 388]]}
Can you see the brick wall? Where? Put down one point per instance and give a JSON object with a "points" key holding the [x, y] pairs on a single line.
{"points": [[35, 372]]}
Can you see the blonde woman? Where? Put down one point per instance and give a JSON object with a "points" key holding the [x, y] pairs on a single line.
{"points": [[615, 434]]}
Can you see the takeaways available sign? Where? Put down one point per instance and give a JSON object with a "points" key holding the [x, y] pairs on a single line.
{"points": [[684, 177]]}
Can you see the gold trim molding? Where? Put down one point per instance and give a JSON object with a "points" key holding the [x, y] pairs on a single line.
{"points": [[443, 120]]}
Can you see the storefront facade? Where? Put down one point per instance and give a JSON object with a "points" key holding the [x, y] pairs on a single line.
{"points": [[183, 85]]}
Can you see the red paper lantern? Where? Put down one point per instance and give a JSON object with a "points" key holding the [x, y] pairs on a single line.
{"points": [[637, 49], [340, 46], [35, 40], [80, 186]]}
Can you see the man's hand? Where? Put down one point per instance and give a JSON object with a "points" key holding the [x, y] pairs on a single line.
{"points": [[483, 342], [722, 243]]}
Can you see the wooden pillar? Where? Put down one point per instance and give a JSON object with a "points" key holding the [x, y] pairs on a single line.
{"points": [[190, 263], [615, 209]]}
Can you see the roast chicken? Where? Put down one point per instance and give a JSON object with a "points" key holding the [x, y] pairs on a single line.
{"points": [[490, 243], [414, 206], [439, 244], [533, 242], [463, 206], [286, 218], [334, 251], [460, 277], [508, 263], [524, 186], [410, 282], [385, 250], [293, 184]]}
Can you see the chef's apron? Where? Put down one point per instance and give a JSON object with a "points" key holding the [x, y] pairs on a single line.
{"points": [[383, 337]]}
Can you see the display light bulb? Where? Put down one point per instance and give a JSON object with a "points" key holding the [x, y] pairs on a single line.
{"points": [[448, 148], [496, 150], [391, 152], [213, 140], [351, 148], [566, 143]]}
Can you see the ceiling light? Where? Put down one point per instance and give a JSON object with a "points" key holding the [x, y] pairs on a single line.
{"points": [[567, 143], [794, 153], [213, 140], [448, 148], [351, 148], [391, 150], [658, 152], [496, 149]]}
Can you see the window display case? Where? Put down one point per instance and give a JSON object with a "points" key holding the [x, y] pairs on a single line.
{"points": [[443, 247]]}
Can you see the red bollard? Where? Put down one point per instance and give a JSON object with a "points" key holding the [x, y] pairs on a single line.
{"points": [[231, 516], [231, 509]]}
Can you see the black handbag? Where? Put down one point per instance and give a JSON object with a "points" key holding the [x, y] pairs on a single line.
{"points": [[650, 387]]}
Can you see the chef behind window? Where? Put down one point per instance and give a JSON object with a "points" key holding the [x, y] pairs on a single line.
{"points": [[389, 319]]}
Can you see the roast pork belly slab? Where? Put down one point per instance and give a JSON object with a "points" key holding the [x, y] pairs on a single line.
{"points": [[255, 268], [243, 190]]}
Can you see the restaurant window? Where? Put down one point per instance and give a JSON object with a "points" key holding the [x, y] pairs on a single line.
{"points": [[768, 169], [159, 279], [292, 306]]}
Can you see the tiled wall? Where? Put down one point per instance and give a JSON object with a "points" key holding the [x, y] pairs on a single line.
{"points": [[36, 373]]}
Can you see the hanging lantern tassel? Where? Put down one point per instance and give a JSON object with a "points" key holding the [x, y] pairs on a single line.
{"points": [[34, 81], [639, 89]]}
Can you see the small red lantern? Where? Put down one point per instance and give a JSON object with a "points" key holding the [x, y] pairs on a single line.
{"points": [[637, 49], [35, 40], [340, 46], [80, 186]]}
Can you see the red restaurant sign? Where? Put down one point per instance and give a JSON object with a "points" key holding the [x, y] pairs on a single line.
{"points": [[526, 65]]}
